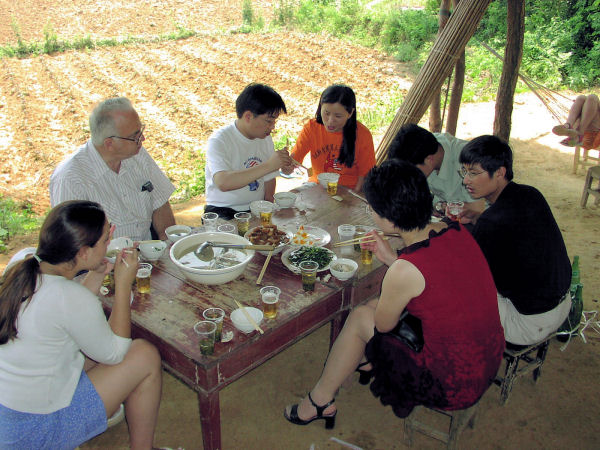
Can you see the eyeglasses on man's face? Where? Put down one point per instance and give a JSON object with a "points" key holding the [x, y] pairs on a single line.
{"points": [[137, 138], [463, 172]]}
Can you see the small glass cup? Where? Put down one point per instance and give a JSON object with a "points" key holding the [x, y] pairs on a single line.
{"points": [[227, 228], [359, 232], [215, 315], [332, 187], [270, 298], [205, 329], [142, 278], [309, 274], [366, 256], [266, 214], [453, 209], [346, 232], [243, 222], [209, 220]]}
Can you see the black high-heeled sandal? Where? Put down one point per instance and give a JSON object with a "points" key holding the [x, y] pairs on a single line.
{"points": [[364, 375], [329, 420]]}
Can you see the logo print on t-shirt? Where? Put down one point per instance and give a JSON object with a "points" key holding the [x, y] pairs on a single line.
{"points": [[331, 164], [254, 161]]}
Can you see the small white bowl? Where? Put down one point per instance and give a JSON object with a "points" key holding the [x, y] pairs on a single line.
{"points": [[348, 265], [242, 323], [115, 246], [285, 199], [328, 177], [152, 250], [176, 232], [256, 204]]}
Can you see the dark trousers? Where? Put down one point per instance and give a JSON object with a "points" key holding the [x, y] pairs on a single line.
{"points": [[223, 212]]}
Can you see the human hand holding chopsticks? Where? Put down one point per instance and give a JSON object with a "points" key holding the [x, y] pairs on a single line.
{"points": [[378, 244]]}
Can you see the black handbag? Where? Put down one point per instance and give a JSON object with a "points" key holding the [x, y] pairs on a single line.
{"points": [[409, 331]]}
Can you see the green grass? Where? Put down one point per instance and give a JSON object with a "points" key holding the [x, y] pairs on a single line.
{"points": [[15, 218]]}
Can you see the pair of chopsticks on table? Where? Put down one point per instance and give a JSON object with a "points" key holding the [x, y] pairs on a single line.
{"points": [[366, 239]]}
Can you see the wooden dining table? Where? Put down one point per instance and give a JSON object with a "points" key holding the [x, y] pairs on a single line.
{"points": [[166, 316]]}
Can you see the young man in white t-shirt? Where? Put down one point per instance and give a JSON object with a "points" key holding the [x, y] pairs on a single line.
{"points": [[241, 161]]}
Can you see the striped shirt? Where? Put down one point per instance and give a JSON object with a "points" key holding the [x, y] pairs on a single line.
{"points": [[85, 176]]}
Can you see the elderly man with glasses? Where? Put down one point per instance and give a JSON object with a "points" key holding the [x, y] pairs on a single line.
{"points": [[115, 170]]}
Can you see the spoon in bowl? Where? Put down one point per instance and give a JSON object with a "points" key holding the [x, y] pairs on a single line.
{"points": [[204, 252]]}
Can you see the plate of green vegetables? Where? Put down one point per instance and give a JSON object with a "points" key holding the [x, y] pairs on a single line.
{"points": [[292, 257]]}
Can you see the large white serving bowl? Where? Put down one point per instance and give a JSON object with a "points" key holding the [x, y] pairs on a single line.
{"points": [[207, 276], [328, 177]]}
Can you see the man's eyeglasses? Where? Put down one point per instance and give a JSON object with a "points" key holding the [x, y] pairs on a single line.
{"points": [[136, 139], [467, 173]]}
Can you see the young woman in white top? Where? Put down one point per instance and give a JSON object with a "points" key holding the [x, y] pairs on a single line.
{"points": [[63, 367]]}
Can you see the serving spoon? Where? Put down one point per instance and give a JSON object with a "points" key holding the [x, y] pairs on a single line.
{"points": [[204, 252]]}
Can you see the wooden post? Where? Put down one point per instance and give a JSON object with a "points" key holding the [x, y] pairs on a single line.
{"points": [[515, 30], [435, 119], [457, 90], [442, 58]]}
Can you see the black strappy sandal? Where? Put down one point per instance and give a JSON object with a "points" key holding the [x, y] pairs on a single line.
{"points": [[364, 375], [329, 420]]}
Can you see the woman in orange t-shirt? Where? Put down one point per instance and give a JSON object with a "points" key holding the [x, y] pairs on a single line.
{"points": [[337, 142]]}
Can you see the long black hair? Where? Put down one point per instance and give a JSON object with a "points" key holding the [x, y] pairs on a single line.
{"points": [[339, 93], [68, 227]]}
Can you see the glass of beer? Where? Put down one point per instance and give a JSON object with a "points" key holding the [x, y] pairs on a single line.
{"points": [[453, 209], [270, 297], [266, 213], [243, 222], [142, 278], [206, 330], [366, 256], [209, 220], [227, 228], [332, 187], [309, 274], [215, 315]]}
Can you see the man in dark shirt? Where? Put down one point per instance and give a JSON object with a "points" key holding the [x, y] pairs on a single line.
{"points": [[521, 242]]}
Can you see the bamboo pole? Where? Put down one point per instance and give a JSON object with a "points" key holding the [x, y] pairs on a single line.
{"points": [[443, 56]]}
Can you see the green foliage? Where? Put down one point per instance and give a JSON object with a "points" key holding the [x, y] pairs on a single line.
{"points": [[189, 170], [15, 218], [250, 22], [383, 112]]}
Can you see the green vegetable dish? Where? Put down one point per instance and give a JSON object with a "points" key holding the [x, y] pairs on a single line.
{"points": [[318, 254]]}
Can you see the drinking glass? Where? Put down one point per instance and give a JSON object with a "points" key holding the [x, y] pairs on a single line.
{"points": [[243, 222], [209, 220], [332, 187], [270, 298], [142, 278], [215, 315], [266, 213], [206, 330], [454, 209], [346, 232], [309, 274]]}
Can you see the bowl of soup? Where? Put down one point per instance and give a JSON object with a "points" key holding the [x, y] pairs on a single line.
{"points": [[225, 266]]}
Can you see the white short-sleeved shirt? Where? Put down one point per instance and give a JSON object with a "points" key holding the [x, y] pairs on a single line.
{"points": [[40, 368], [446, 184], [228, 149], [85, 176]]}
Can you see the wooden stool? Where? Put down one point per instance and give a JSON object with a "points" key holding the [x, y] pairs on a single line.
{"points": [[459, 420], [515, 354], [586, 158], [593, 173]]}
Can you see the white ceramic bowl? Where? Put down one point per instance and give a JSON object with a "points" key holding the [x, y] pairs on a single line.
{"points": [[343, 275], [117, 244], [176, 232], [279, 248], [208, 276], [327, 177], [152, 250], [285, 199], [256, 204], [242, 323]]}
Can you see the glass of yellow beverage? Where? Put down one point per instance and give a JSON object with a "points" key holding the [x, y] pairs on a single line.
{"points": [[366, 256], [266, 213], [243, 222], [332, 187], [270, 298], [142, 278], [309, 274]]}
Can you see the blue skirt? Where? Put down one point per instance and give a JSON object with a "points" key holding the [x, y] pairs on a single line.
{"points": [[66, 428]]}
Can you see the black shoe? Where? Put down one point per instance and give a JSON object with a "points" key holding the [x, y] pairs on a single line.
{"points": [[329, 420], [365, 375]]}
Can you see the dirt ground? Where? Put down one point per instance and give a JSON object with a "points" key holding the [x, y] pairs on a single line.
{"points": [[184, 90]]}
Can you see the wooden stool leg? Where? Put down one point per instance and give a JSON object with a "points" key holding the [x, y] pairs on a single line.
{"points": [[576, 158], [541, 356], [509, 378], [587, 185], [409, 428]]}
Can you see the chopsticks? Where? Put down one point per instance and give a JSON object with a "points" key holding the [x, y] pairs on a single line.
{"points": [[264, 267], [309, 170], [249, 317], [360, 239]]}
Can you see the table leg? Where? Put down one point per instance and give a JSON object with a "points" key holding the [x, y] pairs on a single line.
{"points": [[337, 323], [210, 419]]}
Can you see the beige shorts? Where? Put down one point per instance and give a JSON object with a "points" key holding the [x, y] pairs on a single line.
{"points": [[526, 329]]}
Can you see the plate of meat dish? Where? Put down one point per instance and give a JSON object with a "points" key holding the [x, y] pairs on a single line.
{"points": [[269, 235]]}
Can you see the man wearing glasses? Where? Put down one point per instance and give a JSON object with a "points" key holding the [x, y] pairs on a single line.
{"points": [[521, 242], [113, 169], [241, 162], [436, 154]]}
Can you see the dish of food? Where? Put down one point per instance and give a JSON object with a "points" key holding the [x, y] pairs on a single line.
{"points": [[292, 257], [267, 235], [309, 235]]}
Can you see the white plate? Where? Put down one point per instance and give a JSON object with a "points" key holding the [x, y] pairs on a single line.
{"points": [[320, 236], [285, 259]]}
